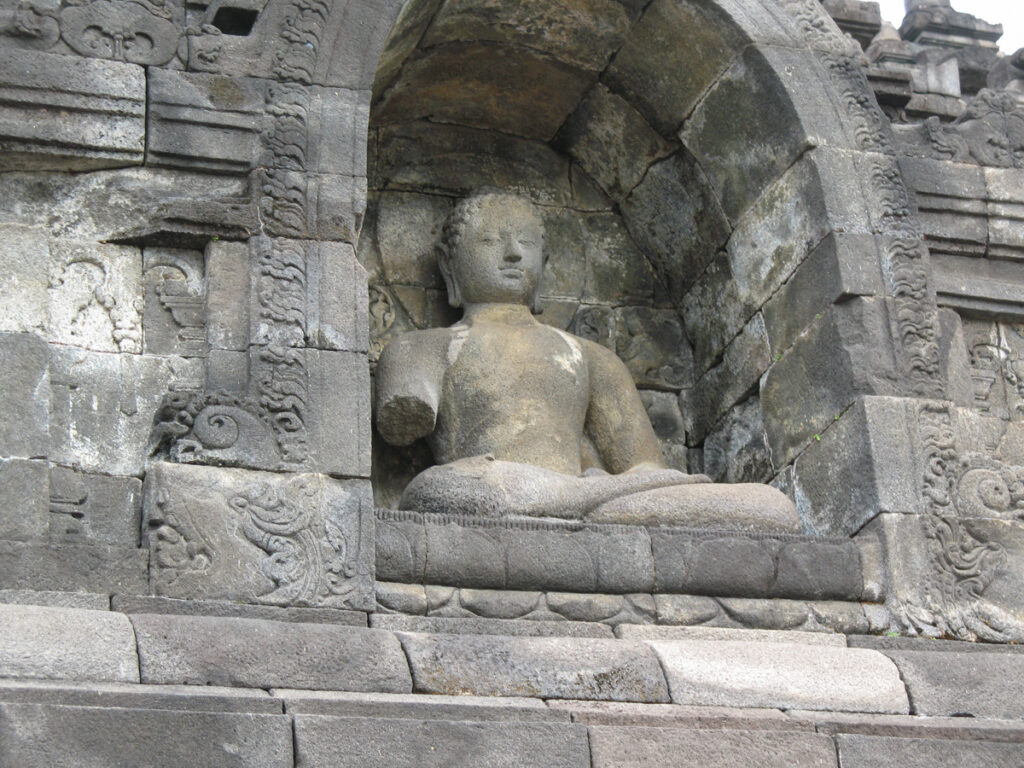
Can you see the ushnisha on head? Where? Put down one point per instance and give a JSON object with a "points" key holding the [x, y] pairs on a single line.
{"points": [[493, 250]]}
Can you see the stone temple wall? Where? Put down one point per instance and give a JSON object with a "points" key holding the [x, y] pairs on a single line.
{"points": [[799, 228]]}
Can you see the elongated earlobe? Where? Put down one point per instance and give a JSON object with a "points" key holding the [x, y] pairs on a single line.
{"points": [[445, 265]]}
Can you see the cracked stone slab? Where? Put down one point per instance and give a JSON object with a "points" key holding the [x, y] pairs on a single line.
{"points": [[41, 642], [255, 653], [547, 667], [788, 676], [394, 743], [416, 706], [48, 736]]}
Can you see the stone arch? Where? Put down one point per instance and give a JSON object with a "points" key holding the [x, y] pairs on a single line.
{"points": [[738, 145]]}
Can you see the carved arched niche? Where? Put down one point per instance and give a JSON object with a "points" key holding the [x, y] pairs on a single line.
{"points": [[705, 187]]}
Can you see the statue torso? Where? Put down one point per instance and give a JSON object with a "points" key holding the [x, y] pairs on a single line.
{"points": [[518, 392]]}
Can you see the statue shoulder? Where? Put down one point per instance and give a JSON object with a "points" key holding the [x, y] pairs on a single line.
{"points": [[416, 345], [598, 356]]}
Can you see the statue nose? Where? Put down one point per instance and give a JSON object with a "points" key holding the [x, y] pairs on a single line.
{"points": [[513, 252]]}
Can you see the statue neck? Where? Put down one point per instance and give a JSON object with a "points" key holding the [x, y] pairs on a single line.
{"points": [[506, 314]]}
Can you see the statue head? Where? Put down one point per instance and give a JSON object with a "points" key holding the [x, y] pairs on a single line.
{"points": [[493, 250]]}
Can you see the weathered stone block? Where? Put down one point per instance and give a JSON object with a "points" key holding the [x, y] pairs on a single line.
{"points": [[203, 122], [840, 267], [654, 632], [736, 450], [457, 83], [423, 157], [358, 741], [750, 100], [85, 507], [253, 653], [744, 674], [55, 599], [408, 228], [67, 643], [102, 406], [770, 241], [308, 293], [711, 565], [676, 219], [957, 683], [38, 735], [448, 550], [828, 381], [818, 571], [169, 605], [616, 270], [189, 698], [72, 567], [611, 141], [582, 33], [654, 347], [629, 747], [24, 386], [95, 296], [667, 419], [486, 626], [174, 311], [548, 667], [230, 534], [23, 282], [869, 453], [865, 751], [416, 706], [693, 49], [107, 98], [736, 376], [227, 296], [24, 500]]}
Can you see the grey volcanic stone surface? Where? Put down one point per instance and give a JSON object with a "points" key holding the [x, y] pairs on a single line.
{"points": [[978, 684], [72, 567], [200, 650], [629, 747], [46, 736], [193, 698], [416, 706], [327, 742], [548, 667], [655, 632], [788, 676], [481, 626], [149, 604], [66, 643], [870, 751], [677, 716]]}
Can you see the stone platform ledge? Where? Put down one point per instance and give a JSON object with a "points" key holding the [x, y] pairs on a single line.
{"points": [[168, 727], [434, 601], [699, 666], [569, 556]]}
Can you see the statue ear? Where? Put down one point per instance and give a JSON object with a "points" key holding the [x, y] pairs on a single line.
{"points": [[444, 263]]}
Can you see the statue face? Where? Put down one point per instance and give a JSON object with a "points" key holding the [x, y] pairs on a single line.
{"points": [[499, 257]]}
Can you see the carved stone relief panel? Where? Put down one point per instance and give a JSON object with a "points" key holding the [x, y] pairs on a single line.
{"points": [[95, 297], [956, 569], [996, 355], [257, 537], [174, 313], [143, 32]]}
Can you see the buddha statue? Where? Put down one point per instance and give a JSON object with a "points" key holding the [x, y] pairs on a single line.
{"points": [[525, 420]]}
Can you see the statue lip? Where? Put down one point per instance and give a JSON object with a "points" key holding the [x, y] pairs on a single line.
{"points": [[512, 271]]}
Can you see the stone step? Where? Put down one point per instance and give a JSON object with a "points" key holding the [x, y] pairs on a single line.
{"points": [[163, 728], [698, 666]]}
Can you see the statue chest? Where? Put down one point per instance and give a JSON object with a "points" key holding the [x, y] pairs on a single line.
{"points": [[531, 376]]}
